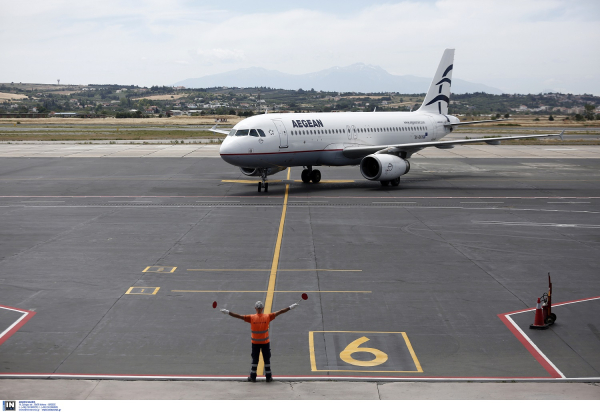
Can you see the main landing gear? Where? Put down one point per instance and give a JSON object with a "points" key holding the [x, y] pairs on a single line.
{"points": [[308, 175], [263, 182], [393, 182]]}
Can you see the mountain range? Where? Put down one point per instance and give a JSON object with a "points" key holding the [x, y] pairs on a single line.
{"points": [[357, 77]]}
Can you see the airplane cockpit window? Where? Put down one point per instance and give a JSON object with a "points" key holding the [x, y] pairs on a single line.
{"points": [[254, 133], [261, 133], [242, 132], [232, 132]]}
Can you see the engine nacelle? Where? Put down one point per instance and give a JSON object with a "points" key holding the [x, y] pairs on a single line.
{"points": [[383, 167], [249, 171]]}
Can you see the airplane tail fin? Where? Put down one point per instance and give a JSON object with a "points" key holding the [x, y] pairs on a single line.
{"points": [[438, 95]]}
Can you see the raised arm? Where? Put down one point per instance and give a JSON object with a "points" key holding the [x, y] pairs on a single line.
{"points": [[279, 312], [234, 315]]}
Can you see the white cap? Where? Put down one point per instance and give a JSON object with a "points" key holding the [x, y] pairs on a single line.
{"points": [[259, 305]]}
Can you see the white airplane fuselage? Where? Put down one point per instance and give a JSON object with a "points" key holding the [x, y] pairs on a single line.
{"points": [[314, 139]]}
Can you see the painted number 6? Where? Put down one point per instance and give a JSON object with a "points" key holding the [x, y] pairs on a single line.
{"points": [[353, 347]]}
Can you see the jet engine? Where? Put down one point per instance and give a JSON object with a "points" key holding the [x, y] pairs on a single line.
{"points": [[249, 171], [383, 167]]}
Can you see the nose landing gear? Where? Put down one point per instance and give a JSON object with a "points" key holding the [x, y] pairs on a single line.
{"points": [[309, 174], [263, 182]]}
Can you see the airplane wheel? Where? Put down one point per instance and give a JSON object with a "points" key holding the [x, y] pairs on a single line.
{"points": [[384, 182], [266, 187], [259, 186], [396, 181], [315, 176], [305, 176]]}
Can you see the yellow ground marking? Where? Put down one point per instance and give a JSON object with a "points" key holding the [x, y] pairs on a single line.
{"points": [[160, 269], [279, 181], [274, 266], [331, 181], [354, 346], [278, 270], [142, 290], [274, 291], [412, 352], [249, 181], [313, 362]]}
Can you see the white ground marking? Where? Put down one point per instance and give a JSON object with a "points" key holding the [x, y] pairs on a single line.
{"points": [[579, 226]]}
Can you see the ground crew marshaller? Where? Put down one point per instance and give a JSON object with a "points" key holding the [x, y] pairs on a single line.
{"points": [[259, 325]]}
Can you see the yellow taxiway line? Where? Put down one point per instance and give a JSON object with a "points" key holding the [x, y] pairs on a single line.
{"points": [[279, 270], [274, 266], [274, 291], [279, 181]]}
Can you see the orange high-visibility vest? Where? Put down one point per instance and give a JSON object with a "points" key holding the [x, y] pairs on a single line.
{"points": [[259, 325]]}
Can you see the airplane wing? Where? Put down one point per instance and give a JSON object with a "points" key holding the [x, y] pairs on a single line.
{"points": [[214, 129], [477, 121], [356, 152]]}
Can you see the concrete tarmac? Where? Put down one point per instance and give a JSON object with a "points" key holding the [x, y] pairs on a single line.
{"points": [[109, 266], [124, 390]]}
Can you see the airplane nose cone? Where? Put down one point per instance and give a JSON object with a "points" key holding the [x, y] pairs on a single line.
{"points": [[226, 150], [225, 147]]}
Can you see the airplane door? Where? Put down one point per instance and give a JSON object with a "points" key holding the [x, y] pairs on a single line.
{"points": [[283, 135], [354, 135], [349, 132]]}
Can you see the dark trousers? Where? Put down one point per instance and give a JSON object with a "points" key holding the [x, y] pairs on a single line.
{"points": [[257, 348]]}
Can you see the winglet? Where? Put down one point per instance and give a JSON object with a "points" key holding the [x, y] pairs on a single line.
{"points": [[561, 134]]}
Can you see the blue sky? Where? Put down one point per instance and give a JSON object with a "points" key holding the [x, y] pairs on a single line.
{"points": [[514, 45]]}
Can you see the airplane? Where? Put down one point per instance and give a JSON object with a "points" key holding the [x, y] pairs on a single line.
{"points": [[379, 142]]}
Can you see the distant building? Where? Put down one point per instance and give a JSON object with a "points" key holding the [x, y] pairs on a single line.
{"points": [[64, 114]]}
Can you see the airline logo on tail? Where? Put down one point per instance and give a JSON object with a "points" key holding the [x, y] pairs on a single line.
{"points": [[442, 97], [437, 93]]}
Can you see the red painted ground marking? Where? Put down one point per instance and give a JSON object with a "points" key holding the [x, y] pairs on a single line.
{"points": [[535, 352], [7, 333]]}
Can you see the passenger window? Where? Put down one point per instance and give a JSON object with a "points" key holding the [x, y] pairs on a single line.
{"points": [[254, 133], [261, 133], [232, 132], [242, 132]]}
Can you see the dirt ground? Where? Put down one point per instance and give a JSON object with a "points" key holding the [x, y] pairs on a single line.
{"points": [[11, 96], [162, 97]]}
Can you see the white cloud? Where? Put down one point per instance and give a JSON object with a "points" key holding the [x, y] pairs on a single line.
{"points": [[517, 46], [220, 55]]}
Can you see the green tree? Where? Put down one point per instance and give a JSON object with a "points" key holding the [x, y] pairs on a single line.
{"points": [[551, 118], [589, 111]]}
